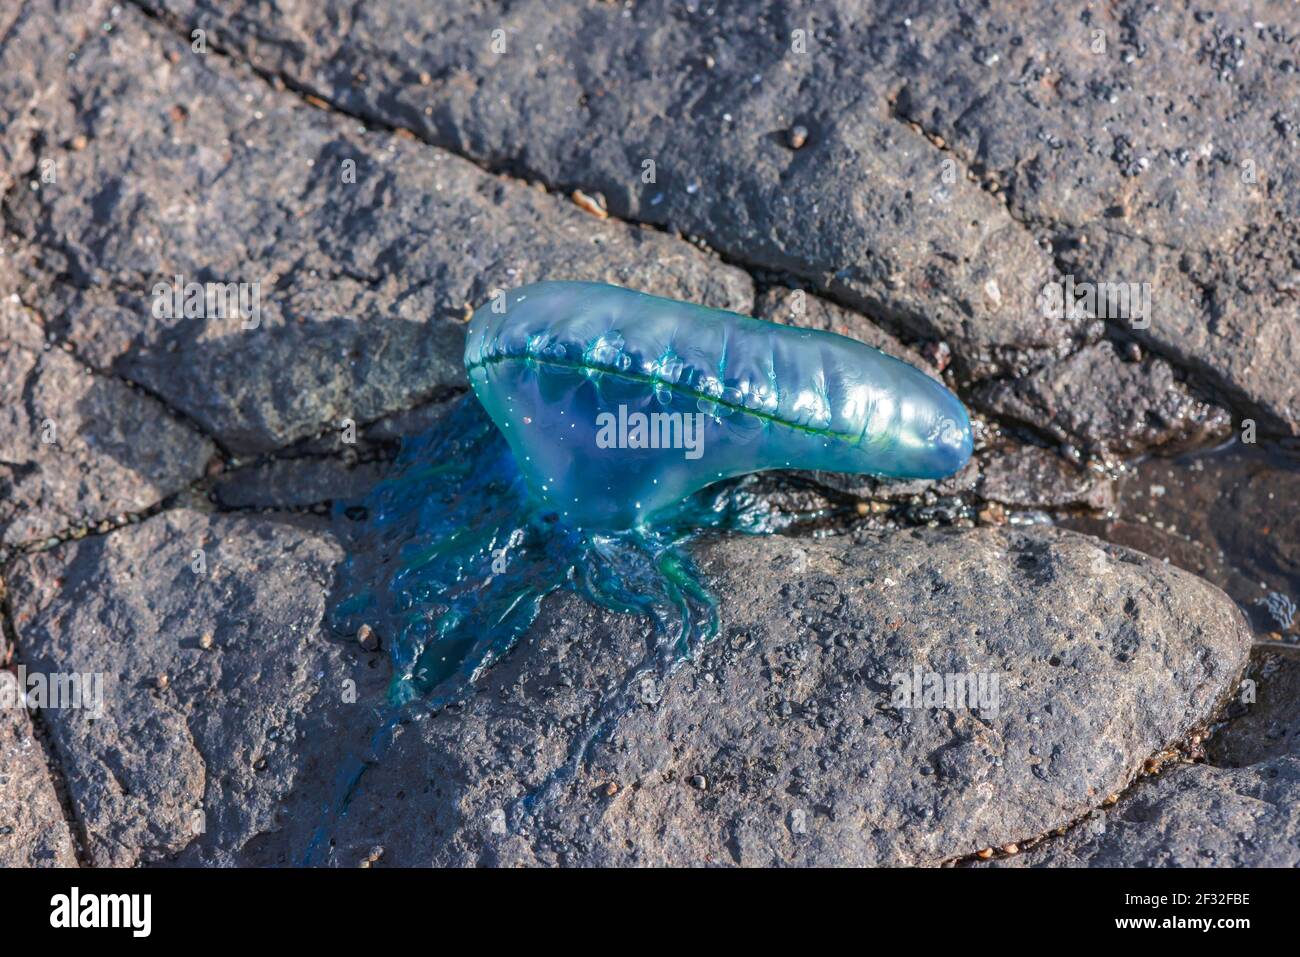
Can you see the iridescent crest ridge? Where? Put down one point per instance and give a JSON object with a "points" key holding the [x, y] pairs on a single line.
{"points": [[617, 404]]}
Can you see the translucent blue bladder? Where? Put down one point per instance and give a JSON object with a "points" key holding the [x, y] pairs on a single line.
{"points": [[619, 405], [603, 427]]}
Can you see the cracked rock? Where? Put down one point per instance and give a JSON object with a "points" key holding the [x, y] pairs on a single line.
{"points": [[218, 685], [795, 307], [352, 171], [1033, 477], [677, 117], [1100, 403], [943, 148], [1192, 815], [33, 832], [296, 483], [1238, 811], [77, 448], [1166, 164], [802, 719], [356, 279]]}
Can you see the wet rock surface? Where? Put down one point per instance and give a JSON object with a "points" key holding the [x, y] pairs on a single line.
{"points": [[296, 483], [1262, 722], [1226, 516], [806, 755], [1032, 476], [1237, 808], [1099, 402], [911, 179]]}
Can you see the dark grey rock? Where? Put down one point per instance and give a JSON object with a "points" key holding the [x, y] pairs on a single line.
{"points": [[219, 686], [1255, 520], [296, 482], [36, 43], [1033, 477], [228, 723], [198, 168], [77, 448], [394, 427], [1240, 810], [1166, 152], [1264, 720], [1192, 815], [942, 147], [804, 754], [1225, 516], [33, 832], [867, 209], [901, 490], [788, 717], [1008, 472], [1100, 403], [795, 307]]}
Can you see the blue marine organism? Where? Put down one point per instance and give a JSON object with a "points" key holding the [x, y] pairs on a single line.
{"points": [[618, 405], [613, 420], [449, 558], [1279, 607], [607, 430]]}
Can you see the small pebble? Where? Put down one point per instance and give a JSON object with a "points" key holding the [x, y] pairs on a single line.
{"points": [[797, 137], [699, 782], [590, 204], [206, 640], [367, 638], [938, 354]]}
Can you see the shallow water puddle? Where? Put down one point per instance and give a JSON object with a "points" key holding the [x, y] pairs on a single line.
{"points": [[1229, 515]]}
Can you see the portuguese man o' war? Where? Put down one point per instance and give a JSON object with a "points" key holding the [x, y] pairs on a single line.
{"points": [[595, 446], [691, 395], [602, 431]]}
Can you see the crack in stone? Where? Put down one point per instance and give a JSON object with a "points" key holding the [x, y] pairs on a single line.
{"points": [[54, 770], [1163, 758], [199, 489], [182, 417], [760, 276], [1199, 375], [1189, 749]]}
